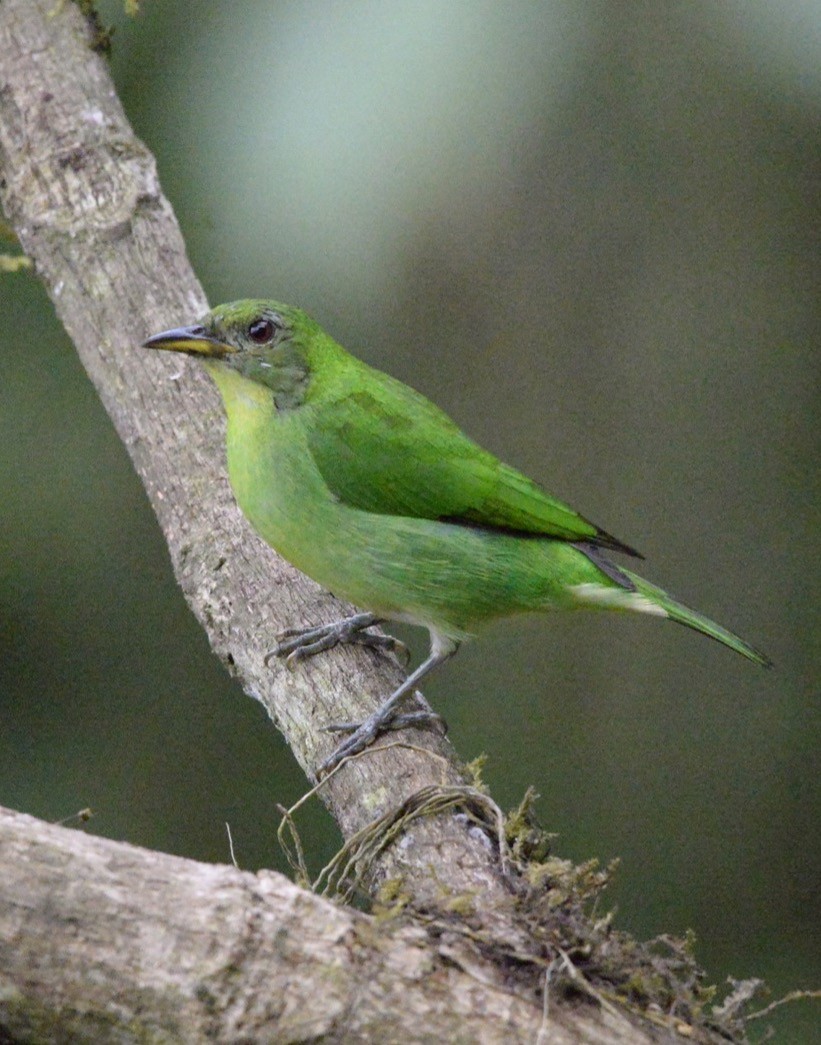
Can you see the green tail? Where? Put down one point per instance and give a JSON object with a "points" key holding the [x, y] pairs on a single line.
{"points": [[683, 615]]}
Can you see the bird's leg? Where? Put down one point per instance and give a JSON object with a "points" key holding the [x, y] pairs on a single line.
{"points": [[381, 720], [296, 644]]}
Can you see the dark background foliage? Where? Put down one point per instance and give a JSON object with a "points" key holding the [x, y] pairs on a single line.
{"points": [[589, 232]]}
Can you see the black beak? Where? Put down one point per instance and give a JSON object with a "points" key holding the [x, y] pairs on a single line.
{"points": [[193, 340]]}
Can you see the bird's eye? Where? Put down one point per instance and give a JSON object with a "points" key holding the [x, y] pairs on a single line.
{"points": [[261, 331]]}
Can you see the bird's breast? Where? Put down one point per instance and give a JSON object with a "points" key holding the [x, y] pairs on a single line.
{"points": [[276, 482]]}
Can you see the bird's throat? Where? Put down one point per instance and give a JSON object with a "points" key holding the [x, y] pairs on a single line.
{"points": [[254, 383]]}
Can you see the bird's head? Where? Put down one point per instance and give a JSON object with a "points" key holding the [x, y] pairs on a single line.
{"points": [[263, 341]]}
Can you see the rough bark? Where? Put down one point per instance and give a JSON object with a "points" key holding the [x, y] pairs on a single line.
{"points": [[100, 941], [83, 196], [104, 942]]}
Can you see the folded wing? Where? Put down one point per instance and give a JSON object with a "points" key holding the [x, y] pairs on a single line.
{"points": [[388, 450]]}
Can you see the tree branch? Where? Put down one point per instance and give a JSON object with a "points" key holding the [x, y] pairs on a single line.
{"points": [[101, 941]]}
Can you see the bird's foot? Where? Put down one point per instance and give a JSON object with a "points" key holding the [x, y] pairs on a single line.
{"points": [[422, 719], [363, 734], [386, 716], [296, 644]]}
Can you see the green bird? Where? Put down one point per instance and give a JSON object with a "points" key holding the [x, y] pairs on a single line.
{"points": [[366, 486]]}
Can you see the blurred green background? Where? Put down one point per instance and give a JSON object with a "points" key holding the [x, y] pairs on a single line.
{"points": [[590, 232]]}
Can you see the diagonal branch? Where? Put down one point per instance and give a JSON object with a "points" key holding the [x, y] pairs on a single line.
{"points": [[83, 196]]}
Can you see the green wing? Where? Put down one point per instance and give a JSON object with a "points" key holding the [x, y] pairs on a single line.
{"points": [[386, 449]]}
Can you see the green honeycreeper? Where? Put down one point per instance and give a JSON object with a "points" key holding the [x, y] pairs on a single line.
{"points": [[371, 490]]}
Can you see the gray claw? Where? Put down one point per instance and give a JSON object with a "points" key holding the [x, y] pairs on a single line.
{"points": [[407, 720], [385, 642]]}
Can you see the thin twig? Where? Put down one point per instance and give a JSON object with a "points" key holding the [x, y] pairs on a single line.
{"points": [[792, 996], [231, 845]]}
